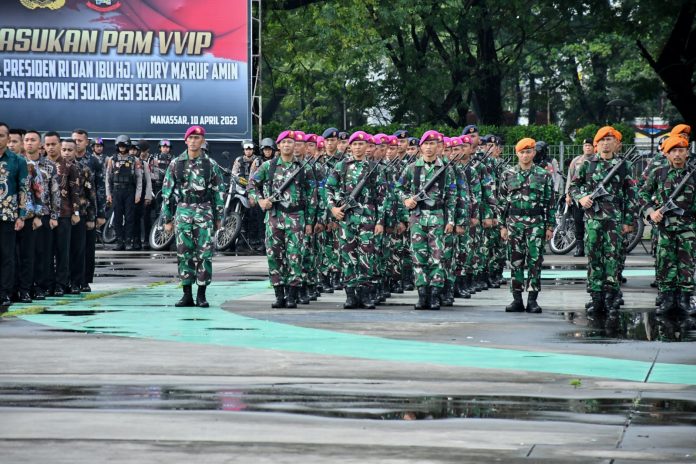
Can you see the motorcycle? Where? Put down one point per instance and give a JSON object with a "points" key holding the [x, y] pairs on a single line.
{"points": [[236, 204], [160, 239]]}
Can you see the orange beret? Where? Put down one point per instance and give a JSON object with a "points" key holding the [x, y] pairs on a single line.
{"points": [[524, 144], [682, 130], [674, 141], [606, 131]]}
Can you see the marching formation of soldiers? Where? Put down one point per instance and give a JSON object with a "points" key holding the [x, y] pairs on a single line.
{"points": [[382, 214]]}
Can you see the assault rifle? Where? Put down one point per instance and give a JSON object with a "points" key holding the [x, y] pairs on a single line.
{"points": [[474, 159], [350, 202], [275, 197], [423, 193], [670, 206], [600, 192]]}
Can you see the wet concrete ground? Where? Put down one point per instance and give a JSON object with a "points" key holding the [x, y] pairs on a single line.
{"points": [[72, 391]]}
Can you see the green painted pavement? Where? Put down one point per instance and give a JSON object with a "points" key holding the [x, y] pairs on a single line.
{"points": [[582, 274], [149, 313]]}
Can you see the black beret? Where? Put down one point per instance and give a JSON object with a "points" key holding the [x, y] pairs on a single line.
{"points": [[330, 132], [343, 136], [413, 142], [401, 134]]}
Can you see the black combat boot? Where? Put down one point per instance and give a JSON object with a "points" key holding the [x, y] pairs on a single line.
{"points": [[422, 302], [596, 303], [366, 301], [386, 288], [668, 303], [408, 281], [303, 297], [457, 290], [351, 300], [611, 302], [517, 305], [684, 302], [280, 297], [483, 281], [312, 292], [397, 286], [328, 286], [434, 298], [658, 299], [447, 294], [491, 281], [187, 299], [461, 283], [501, 279], [201, 301], [292, 294], [532, 305], [378, 294], [338, 281], [579, 249], [470, 286]]}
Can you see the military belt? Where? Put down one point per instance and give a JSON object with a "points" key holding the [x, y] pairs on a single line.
{"points": [[124, 185], [436, 207], [202, 198], [290, 209], [537, 211]]}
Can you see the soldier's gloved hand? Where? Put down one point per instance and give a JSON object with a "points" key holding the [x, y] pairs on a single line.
{"points": [[449, 228], [168, 227], [586, 202], [656, 216], [379, 229], [265, 204], [549, 234], [338, 213], [410, 203], [504, 233], [488, 223]]}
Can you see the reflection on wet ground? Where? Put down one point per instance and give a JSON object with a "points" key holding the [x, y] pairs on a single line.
{"points": [[649, 411], [631, 325]]}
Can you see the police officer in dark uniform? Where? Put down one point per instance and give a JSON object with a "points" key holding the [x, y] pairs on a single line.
{"points": [[124, 176], [142, 216]]}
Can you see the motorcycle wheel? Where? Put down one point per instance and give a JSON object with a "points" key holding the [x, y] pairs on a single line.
{"points": [[229, 230], [562, 241], [159, 238]]}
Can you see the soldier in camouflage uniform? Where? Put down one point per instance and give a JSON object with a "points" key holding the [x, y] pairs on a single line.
{"points": [[604, 227], [430, 219], [527, 212], [194, 185], [360, 223], [469, 203], [498, 251], [328, 239], [677, 239], [286, 214], [395, 219]]}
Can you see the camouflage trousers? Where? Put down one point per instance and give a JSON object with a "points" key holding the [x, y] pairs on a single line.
{"points": [[448, 255], [310, 259], [397, 248], [603, 249], [497, 252], [357, 249], [379, 259], [461, 253], [470, 249], [328, 252], [675, 260], [526, 250], [427, 249], [194, 249], [284, 241]]}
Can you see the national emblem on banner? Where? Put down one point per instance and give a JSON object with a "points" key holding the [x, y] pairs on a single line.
{"points": [[51, 4]]}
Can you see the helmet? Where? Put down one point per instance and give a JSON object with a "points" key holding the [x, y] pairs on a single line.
{"points": [[143, 145], [98, 141], [123, 139], [165, 143], [268, 143], [542, 149], [247, 144]]}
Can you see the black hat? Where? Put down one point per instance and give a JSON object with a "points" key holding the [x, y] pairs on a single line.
{"points": [[401, 134], [413, 142], [488, 138], [343, 136], [470, 129], [143, 145], [590, 141], [330, 132]]}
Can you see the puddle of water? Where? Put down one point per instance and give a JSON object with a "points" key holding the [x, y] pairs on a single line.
{"points": [[631, 325], [650, 411], [78, 312]]}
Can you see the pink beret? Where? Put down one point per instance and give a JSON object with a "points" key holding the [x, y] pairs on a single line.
{"points": [[310, 138], [455, 141], [299, 136], [198, 130], [381, 139], [288, 134], [321, 142], [359, 135], [429, 135], [393, 141], [465, 139]]}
